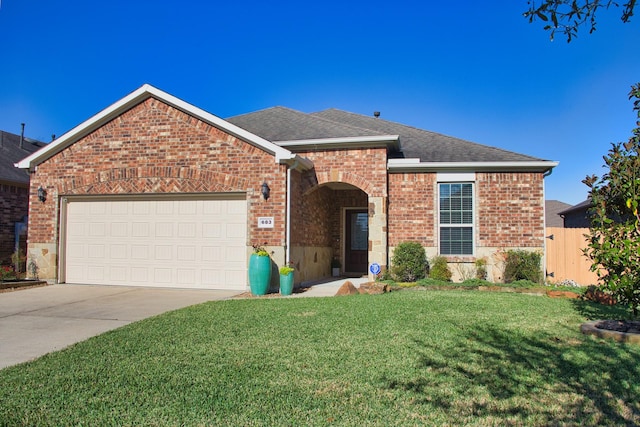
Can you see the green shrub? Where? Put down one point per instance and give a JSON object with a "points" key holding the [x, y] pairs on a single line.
{"points": [[409, 262], [477, 282], [522, 265], [440, 269], [384, 276]]}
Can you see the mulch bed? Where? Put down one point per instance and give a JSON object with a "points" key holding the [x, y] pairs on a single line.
{"points": [[627, 326], [14, 285]]}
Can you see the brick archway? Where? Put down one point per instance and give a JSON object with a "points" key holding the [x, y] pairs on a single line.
{"points": [[334, 176]]}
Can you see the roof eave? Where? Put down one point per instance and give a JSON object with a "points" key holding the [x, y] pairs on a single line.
{"points": [[415, 165], [297, 162], [376, 141], [144, 92]]}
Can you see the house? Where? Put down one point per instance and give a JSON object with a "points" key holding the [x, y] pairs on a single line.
{"points": [[14, 191], [552, 209], [155, 191], [577, 216]]}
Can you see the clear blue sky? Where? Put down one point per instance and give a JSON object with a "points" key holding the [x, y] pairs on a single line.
{"points": [[476, 70]]}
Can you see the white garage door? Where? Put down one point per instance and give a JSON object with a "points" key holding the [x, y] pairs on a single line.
{"points": [[169, 243]]}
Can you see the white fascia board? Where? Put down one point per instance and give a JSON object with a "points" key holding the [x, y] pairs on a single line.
{"points": [[414, 165], [343, 142], [298, 163], [144, 92]]}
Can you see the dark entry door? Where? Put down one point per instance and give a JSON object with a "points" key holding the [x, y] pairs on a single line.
{"points": [[357, 241]]}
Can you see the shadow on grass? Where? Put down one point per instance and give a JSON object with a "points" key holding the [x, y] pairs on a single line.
{"points": [[498, 374], [595, 311]]}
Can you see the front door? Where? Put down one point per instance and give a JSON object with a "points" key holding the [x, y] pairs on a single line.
{"points": [[357, 241]]}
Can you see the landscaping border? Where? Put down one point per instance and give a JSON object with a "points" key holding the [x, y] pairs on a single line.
{"points": [[589, 328]]}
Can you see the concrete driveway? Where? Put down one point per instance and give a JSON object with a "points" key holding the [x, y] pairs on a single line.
{"points": [[37, 321]]}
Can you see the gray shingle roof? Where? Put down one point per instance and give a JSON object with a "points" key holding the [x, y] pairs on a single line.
{"points": [[10, 153], [426, 145], [284, 124], [279, 124]]}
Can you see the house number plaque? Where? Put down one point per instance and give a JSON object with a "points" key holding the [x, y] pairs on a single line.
{"points": [[265, 222]]}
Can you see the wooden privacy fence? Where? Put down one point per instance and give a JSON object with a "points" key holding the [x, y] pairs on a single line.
{"points": [[565, 258]]}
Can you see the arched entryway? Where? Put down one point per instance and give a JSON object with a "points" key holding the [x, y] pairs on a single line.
{"points": [[337, 218]]}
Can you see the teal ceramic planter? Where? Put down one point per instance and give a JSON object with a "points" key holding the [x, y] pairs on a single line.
{"points": [[286, 284], [259, 274]]}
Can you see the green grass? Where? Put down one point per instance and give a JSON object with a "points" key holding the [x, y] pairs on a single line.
{"points": [[413, 357]]}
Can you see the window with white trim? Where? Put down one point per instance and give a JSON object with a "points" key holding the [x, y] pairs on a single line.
{"points": [[456, 218]]}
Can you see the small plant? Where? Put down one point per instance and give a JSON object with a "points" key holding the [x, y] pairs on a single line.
{"points": [[33, 269], [385, 276], [335, 263], [481, 269], [7, 272], [522, 265], [440, 269], [286, 269], [260, 250], [409, 262], [477, 282]]}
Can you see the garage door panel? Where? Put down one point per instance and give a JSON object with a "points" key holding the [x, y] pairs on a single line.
{"points": [[184, 243]]}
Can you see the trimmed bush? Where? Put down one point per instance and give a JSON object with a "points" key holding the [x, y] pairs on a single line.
{"points": [[409, 262], [522, 265], [440, 269]]}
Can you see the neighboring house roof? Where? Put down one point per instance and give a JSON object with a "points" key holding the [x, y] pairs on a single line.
{"points": [[552, 208], [582, 206], [11, 153], [417, 148]]}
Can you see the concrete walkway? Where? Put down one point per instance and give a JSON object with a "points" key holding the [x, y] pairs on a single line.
{"points": [[37, 321], [327, 288]]}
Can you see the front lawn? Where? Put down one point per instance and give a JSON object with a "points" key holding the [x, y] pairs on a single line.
{"points": [[413, 357]]}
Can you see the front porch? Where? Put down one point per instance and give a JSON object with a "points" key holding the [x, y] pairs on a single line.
{"points": [[339, 222]]}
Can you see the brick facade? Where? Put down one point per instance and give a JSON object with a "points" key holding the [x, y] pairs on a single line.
{"points": [[14, 205], [510, 210], [153, 149], [412, 208]]}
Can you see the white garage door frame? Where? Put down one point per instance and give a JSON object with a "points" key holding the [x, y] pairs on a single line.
{"points": [[196, 232]]}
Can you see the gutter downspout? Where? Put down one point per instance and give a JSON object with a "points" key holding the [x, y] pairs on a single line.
{"points": [[544, 226], [287, 256]]}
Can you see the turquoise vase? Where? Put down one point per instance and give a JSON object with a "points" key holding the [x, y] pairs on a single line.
{"points": [[286, 284], [259, 274]]}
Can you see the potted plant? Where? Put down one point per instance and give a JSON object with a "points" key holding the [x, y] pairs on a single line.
{"points": [[259, 270], [286, 279], [335, 267]]}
